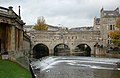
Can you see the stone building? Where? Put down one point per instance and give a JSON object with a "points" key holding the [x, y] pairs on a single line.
{"points": [[11, 33], [98, 35], [105, 24], [53, 42]]}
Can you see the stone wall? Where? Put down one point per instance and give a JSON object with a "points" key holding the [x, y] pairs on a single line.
{"points": [[12, 36], [26, 45], [70, 38]]}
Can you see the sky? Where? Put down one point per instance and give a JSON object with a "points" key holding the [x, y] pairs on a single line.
{"points": [[66, 13]]}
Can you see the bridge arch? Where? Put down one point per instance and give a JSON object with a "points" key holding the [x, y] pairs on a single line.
{"points": [[40, 50], [82, 50], [61, 50]]}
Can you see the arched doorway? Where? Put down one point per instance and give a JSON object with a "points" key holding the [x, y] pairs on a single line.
{"points": [[82, 50], [61, 50], [40, 50]]}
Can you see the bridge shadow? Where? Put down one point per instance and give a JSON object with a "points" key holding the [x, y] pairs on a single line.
{"points": [[40, 50], [61, 50], [82, 50]]}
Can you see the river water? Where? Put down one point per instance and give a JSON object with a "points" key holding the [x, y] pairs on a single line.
{"points": [[76, 67]]}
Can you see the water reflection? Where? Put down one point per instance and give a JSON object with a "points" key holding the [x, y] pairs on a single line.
{"points": [[106, 73]]}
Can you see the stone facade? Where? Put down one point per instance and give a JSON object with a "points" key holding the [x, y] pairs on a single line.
{"points": [[105, 24], [98, 35], [70, 38], [26, 44], [11, 33]]}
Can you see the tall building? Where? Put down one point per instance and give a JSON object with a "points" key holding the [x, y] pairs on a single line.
{"points": [[105, 24]]}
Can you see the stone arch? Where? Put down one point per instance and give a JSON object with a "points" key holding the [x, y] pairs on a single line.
{"points": [[40, 50], [61, 50], [82, 50]]}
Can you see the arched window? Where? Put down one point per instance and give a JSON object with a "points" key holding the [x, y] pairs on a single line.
{"points": [[110, 27]]}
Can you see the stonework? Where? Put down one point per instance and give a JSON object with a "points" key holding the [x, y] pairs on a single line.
{"points": [[68, 37], [11, 33], [106, 24], [98, 35]]}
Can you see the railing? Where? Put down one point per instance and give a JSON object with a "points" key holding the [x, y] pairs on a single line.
{"points": [[6, 11], [3, 10]]}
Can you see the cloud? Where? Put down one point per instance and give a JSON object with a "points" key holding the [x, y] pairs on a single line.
{"points": [[70, 13]]}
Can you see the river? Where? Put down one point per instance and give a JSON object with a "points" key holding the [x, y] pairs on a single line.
{"points": [[76, 67]]}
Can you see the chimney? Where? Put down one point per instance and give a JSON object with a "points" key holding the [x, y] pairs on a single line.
{"points": [[19, 11]]}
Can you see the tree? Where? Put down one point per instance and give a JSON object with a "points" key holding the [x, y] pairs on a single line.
{"points": [[115, 35], [40, 25], [118, 22]]}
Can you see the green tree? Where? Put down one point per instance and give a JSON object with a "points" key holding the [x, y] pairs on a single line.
{"points": [[40, 25], [115, 35], [118, 22]]}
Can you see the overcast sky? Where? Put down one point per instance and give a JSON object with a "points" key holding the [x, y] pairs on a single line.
{"points": [[69, 13]]}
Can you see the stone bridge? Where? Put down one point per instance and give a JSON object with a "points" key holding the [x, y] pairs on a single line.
{"points": [[63, 42]]}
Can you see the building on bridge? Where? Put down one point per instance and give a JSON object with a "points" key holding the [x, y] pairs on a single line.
{"points": [[62, 41], [75, 40], [12, 36]]}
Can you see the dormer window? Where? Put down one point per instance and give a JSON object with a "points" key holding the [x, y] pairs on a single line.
{"points": [[110, 14]]}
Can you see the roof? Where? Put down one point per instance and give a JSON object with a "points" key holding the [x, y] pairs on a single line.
{"points": [[111, 13]]}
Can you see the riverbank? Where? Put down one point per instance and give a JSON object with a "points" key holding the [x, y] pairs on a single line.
{"points": [[10, 69], [108, 55]]}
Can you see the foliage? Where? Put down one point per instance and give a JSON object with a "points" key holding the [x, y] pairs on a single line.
{"points": [[40, 25], [115, 35], [9, 69], [118, 22]]}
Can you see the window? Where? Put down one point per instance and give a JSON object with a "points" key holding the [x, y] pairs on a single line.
{"points": [[108, 36], [113, 27], [72, 37], [110, 14], [109, 41], [76, 37], [110, 27]]}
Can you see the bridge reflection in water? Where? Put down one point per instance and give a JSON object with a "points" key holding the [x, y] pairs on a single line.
{"points": [[76, 67]]}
